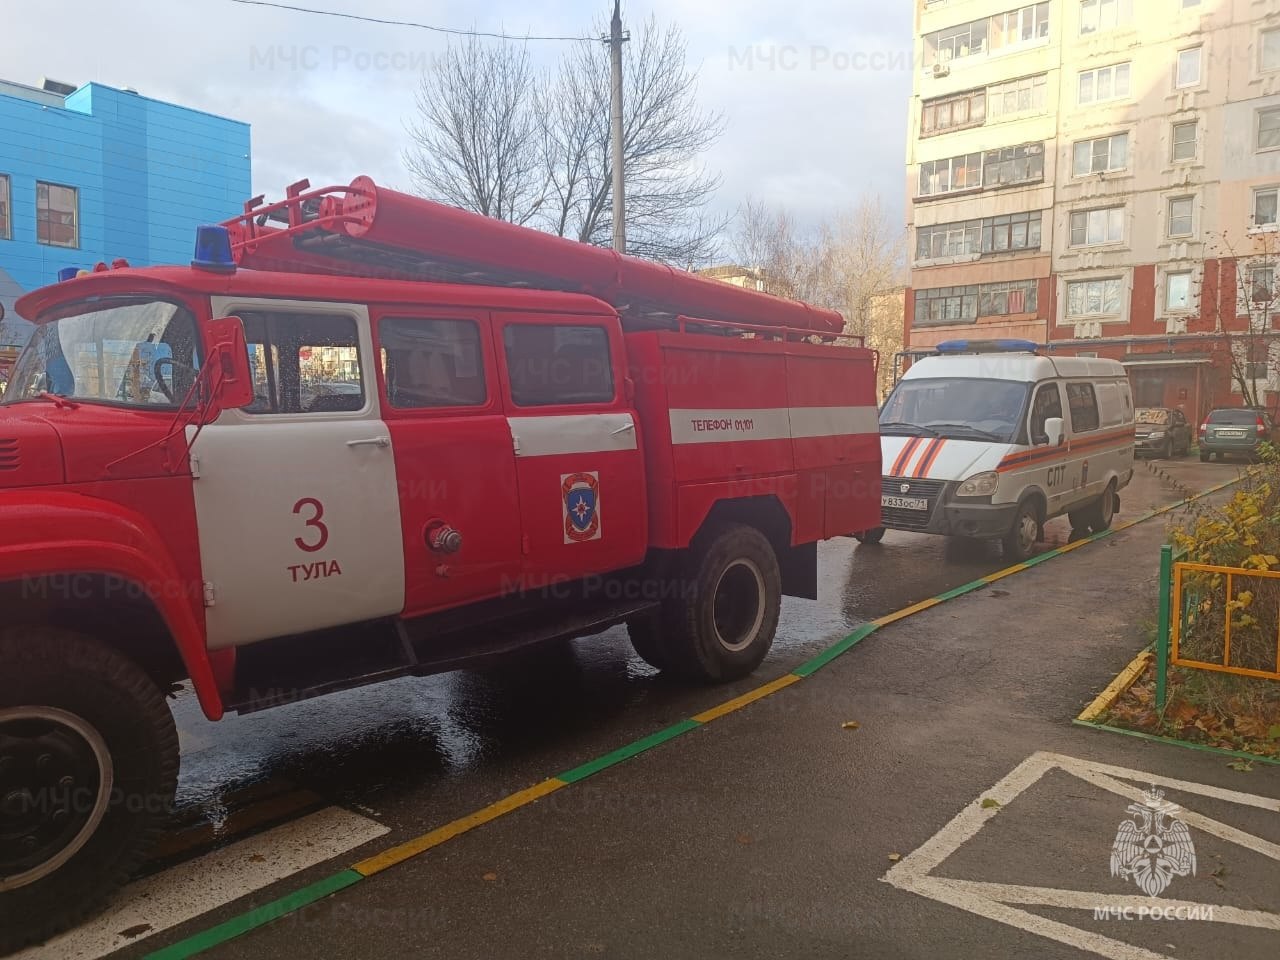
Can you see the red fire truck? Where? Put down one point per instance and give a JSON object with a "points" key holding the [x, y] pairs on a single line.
{"points": [[364, 436]]}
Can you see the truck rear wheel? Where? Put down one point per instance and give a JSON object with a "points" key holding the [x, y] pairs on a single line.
{"points": [[88, 771], [723, 624]]}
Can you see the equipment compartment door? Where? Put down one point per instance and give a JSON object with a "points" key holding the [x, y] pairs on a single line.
{"points": [[296, 494], [578, 452]]}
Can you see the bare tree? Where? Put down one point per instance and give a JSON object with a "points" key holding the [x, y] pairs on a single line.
{"points": [[491, 137], [475, 140], [1245, 321]]}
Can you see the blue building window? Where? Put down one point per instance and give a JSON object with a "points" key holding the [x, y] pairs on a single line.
{"points": [[4, 207], [57, 220]]}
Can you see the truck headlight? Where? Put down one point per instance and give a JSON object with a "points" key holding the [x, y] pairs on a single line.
{"points": [[979, 485]]}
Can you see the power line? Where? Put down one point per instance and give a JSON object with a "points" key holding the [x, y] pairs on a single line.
{"points": [[406, 23]]}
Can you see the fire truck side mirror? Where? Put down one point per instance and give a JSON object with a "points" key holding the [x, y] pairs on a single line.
{"points": [[234, 383]]}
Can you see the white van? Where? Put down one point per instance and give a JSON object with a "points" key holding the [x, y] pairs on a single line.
{"points": [[990, 439]]}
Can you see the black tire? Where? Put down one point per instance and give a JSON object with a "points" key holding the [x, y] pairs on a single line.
{"points": [[1204, 456], [92, 716], [1099, 514], [722, 625], [1020, 542], [1167, 452], [872, 536], [646, 637]]}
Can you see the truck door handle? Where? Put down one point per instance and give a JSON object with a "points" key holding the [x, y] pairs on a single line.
{"points": [[370, 442], [623, 429]]}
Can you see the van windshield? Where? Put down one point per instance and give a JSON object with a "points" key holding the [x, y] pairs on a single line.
{"points": [[959, 409], [131, 351]]}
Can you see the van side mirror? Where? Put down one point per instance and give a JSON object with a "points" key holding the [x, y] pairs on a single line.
{"points": [[1053, 428], [233, 386]]}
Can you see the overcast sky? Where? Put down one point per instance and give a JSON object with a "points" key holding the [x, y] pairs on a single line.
{"points": [[808, 128]]}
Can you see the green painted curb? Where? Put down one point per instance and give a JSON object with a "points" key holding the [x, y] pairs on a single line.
{"points": [[1156, 738], [258, 917], [810, 667], [632, 749]]}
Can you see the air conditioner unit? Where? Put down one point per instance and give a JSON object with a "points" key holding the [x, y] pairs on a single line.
{"points": [[941, 70], [1088, 329]]}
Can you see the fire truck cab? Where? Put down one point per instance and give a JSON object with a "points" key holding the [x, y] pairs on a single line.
{"points": [[364, 436]]}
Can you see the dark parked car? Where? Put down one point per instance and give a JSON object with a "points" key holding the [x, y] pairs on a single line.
{"points": [[1161, 432], [1237, 431]]}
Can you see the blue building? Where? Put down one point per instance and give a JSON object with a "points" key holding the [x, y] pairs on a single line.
{"points": [[93, 173]]}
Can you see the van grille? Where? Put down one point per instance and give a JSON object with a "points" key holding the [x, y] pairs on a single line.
{"points": [[9, 459], [901, 519]]}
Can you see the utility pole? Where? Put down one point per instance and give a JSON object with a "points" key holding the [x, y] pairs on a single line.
{"points": [[616, 40]]}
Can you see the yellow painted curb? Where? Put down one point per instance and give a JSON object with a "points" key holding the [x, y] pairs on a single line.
{"points": [[1103, 701], [751, 696]]}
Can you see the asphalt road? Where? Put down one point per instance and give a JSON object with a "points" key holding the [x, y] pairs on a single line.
{"points": [[769, 833]]}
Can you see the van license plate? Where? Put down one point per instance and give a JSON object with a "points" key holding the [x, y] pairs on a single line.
{"points": [[905, 503]]}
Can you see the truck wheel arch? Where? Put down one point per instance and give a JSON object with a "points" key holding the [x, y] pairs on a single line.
{"points": [[798, 563]]}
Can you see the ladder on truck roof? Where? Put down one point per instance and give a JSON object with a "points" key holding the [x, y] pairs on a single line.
{"points": [[366, 230]]}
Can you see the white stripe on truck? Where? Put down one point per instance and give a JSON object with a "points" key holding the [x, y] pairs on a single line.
{"points": [[772, 423], [572, 433]]}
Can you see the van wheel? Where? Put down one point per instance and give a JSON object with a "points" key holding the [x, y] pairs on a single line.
{"points": [[873, 536], [723, 624], [88, 771], [1099, 514], [1020, 542]]}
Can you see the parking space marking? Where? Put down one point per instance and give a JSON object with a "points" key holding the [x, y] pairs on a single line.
{"points": [[174, 896], [295, 901], [995, 901]]}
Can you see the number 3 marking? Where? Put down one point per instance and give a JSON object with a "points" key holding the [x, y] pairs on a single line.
{"points": [[313, 522]]}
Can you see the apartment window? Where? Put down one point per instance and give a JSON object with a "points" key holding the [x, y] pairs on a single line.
{"points": [[946, 305], [1016, 97], [1103, 155], [950, 175], [56, 221], [1092, 227], [4, 207], [1177, 291], [1269, 45], [1262, 286], [1104, 83], [1022, 164], [1094, 298], [1181, 216], [955, 43], [1188, 70], [1003, 299], [1099, 15], [1264, 206], [1184, 141], [1019, 26], [1269, 128], [953, 113], [1014, 231], [948, 239]]}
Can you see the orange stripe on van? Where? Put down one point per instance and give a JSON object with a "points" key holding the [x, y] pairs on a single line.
{"points": [[928, 457], [900, 464], [1030, 458]]}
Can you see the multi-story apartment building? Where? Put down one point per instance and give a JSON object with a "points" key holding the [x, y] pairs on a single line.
{"points": [[1101, 176]]}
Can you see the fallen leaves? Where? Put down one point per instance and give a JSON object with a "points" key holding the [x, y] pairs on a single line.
{"points": [[989, 803], [1241, 765], [490, 877], [850, 725], [132, 933], [895, 857]]}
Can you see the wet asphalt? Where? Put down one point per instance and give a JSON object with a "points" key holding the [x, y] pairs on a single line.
{"points": [[417, 753]]}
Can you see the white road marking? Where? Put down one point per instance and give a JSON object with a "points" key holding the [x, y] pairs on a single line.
{"points": [[993, 900], [190, 889]]}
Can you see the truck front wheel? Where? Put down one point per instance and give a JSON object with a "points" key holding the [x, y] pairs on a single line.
{"points": [[722, 625], [88, 771]]}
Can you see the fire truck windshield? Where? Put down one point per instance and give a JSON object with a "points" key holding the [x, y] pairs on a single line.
{"points": [[127, 351]]}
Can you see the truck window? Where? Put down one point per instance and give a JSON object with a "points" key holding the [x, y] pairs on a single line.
{"points": [[1048, 404], [558, 364], [1084, 407], [303, 363], [432, 363]]}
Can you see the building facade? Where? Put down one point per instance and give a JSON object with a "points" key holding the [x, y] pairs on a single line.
{"points": [[1101, 176], [91, 174]]}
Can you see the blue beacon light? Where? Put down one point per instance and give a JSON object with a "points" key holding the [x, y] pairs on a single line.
{"points": [[213, 250]]}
